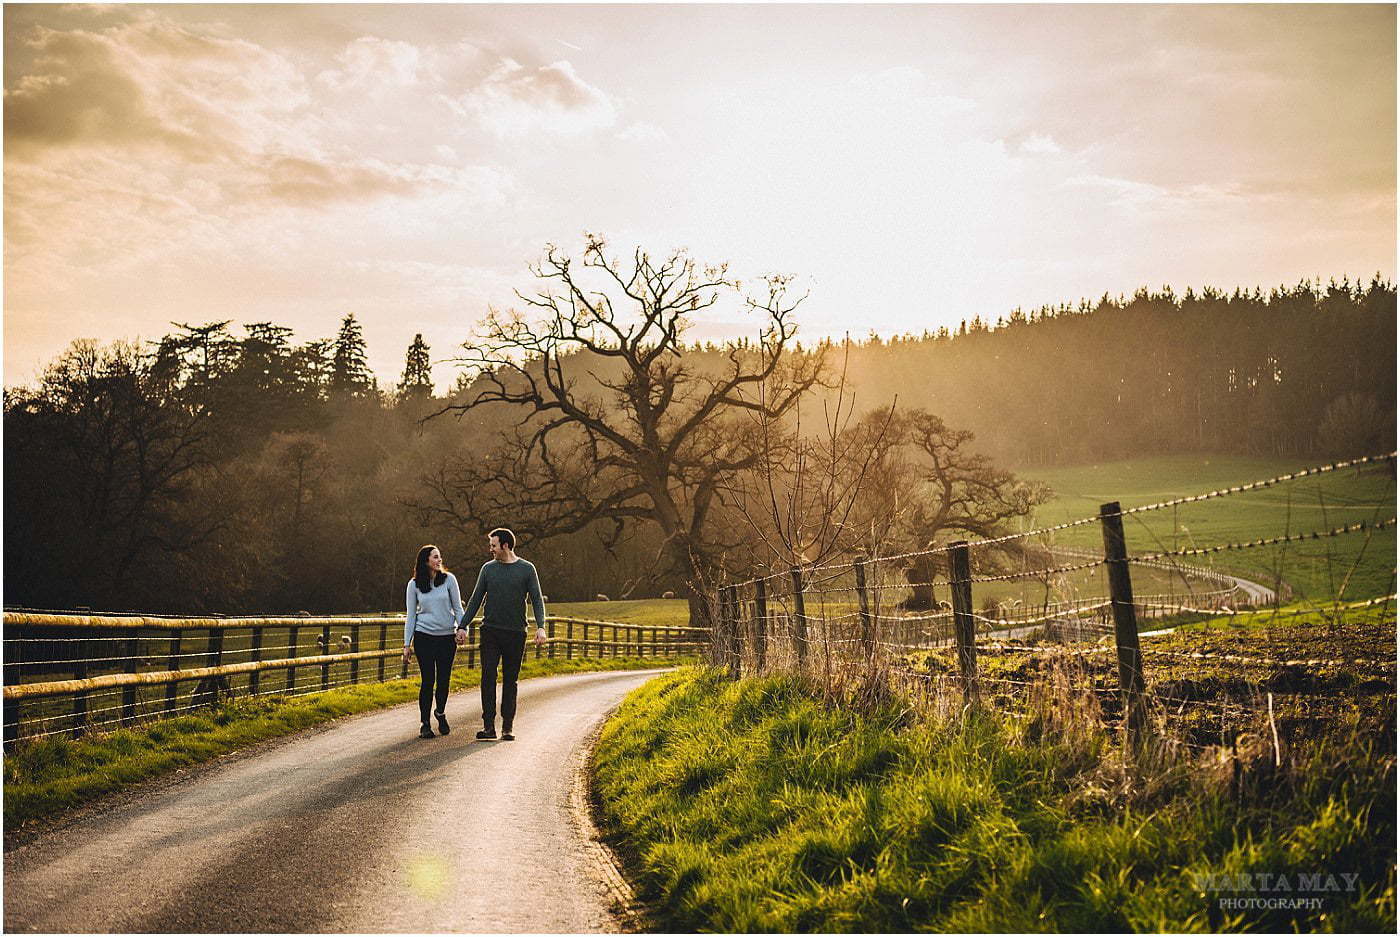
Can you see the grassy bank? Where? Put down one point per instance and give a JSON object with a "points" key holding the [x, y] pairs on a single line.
{"points": [[759, 806], [44, 778]]}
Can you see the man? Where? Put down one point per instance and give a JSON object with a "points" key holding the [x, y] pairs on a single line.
{"points": [[504, 582]]}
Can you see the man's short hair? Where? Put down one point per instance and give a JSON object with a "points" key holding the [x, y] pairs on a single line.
{"points": [[504, 535]]}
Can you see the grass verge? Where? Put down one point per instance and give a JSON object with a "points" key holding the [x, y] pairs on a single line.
{"points": [[45, 778], [763, 806]]}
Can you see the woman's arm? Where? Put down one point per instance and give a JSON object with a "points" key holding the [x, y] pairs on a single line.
{"points": [[454, 593], [411, 618]]}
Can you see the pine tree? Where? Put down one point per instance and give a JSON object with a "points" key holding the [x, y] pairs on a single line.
{"points": [[417, 383], [350, 375]]}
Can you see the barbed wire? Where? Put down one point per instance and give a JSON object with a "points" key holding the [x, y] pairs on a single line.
{"points": [[1272, 541], [1204, 496]]}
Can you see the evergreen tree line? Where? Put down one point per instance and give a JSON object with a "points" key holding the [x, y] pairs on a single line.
{"points": [[239, 473], [1305, 372]]}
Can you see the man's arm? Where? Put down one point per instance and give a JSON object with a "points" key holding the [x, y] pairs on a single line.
{"points": [[536, 596], [478, 594]]}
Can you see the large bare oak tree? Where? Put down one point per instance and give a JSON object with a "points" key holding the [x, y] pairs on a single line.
{"points": [[614, 424]]}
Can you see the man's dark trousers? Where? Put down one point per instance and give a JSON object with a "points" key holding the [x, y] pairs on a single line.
{"points": [[507, 648]]}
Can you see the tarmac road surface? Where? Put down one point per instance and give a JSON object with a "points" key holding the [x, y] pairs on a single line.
{"points": [[356, 827]]}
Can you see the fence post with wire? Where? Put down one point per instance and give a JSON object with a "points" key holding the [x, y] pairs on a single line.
{"points": [[1125, 629], [841, 610]]}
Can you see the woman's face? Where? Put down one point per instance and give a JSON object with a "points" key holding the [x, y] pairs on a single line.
{"points": [[435, 560]]}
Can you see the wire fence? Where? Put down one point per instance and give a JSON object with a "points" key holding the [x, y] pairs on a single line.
{"points": [[70, 674], [925, 616]]}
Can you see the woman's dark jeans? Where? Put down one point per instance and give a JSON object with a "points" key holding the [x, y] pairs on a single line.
{"points": [[434, 653]]}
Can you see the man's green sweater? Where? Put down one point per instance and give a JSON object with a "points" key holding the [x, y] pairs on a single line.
{"points": [[504, 586]]}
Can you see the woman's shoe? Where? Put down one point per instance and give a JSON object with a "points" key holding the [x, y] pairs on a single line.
{"points": [[426, 732], [443, 727]]}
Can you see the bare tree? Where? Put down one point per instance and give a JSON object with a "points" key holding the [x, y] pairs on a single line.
{"points": [[808, 499], [953, 489], [614, 424]]}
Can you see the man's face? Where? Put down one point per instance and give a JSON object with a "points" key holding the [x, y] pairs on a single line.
{"points": [[493, 543]]}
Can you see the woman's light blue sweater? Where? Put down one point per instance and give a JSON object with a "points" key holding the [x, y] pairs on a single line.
{"points": [[434, 612]]}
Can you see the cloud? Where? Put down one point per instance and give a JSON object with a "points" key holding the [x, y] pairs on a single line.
{"points": [[514, 100], [298, 180], [373, 64], [1136, 194], [148, 84]]}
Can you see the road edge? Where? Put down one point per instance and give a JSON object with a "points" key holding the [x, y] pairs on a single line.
{"points": [[628, 911]]}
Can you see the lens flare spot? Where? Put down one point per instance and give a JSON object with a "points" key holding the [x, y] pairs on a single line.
{"points": [[427, 876]]}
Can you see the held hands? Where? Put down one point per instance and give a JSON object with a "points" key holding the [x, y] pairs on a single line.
{"points": [[461, 637], [407, 653], [540, 636]]}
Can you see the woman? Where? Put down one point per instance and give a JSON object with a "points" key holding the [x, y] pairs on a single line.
{"points": [[434, 608]]}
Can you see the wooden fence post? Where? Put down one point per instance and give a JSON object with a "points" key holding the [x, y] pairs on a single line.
{"points": [[292, 653], [1125, 633], [14, 657], [355, 649], [800, 620], [172, 688], [325, 650], [255, 678], [964, 627], [736, 639], [383, 640], [867, 624], [550, 625], [133, 650], [760, 624], [80, 700], [568, 640]]}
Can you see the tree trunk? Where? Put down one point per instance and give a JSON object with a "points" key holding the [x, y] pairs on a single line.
{"points": [[921, 597]]}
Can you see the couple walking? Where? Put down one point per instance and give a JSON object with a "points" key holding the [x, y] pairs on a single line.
{"points": [[436, 626]]}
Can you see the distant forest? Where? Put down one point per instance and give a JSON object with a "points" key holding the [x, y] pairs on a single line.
{"points": [[230, 473]]}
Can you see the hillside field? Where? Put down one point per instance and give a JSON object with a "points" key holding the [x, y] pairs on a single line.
{"points": [[1316, 569]]}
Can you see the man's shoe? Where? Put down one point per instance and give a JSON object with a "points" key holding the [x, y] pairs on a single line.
{"points": [[487, 733], [507, 735], [443, 727], [426, 732]]}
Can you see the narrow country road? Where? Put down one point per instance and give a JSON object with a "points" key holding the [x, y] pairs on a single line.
{"points": [[356, 827]]}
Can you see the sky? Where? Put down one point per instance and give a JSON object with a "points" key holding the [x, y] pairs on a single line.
{"points": [[910, 165]]}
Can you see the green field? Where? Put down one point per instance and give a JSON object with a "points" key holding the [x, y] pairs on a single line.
{"points": [[672, 613], [1317, 570], [765, 805]]}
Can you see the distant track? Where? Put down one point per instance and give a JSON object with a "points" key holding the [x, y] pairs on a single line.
{"points": [[355, 827]]}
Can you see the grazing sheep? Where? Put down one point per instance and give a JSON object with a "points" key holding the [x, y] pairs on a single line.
{"points": [[345, 640], [321, 642], [668, 595], [601, 598]]}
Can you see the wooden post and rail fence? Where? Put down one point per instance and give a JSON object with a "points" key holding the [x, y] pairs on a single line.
{"points": [[44, 644]]}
